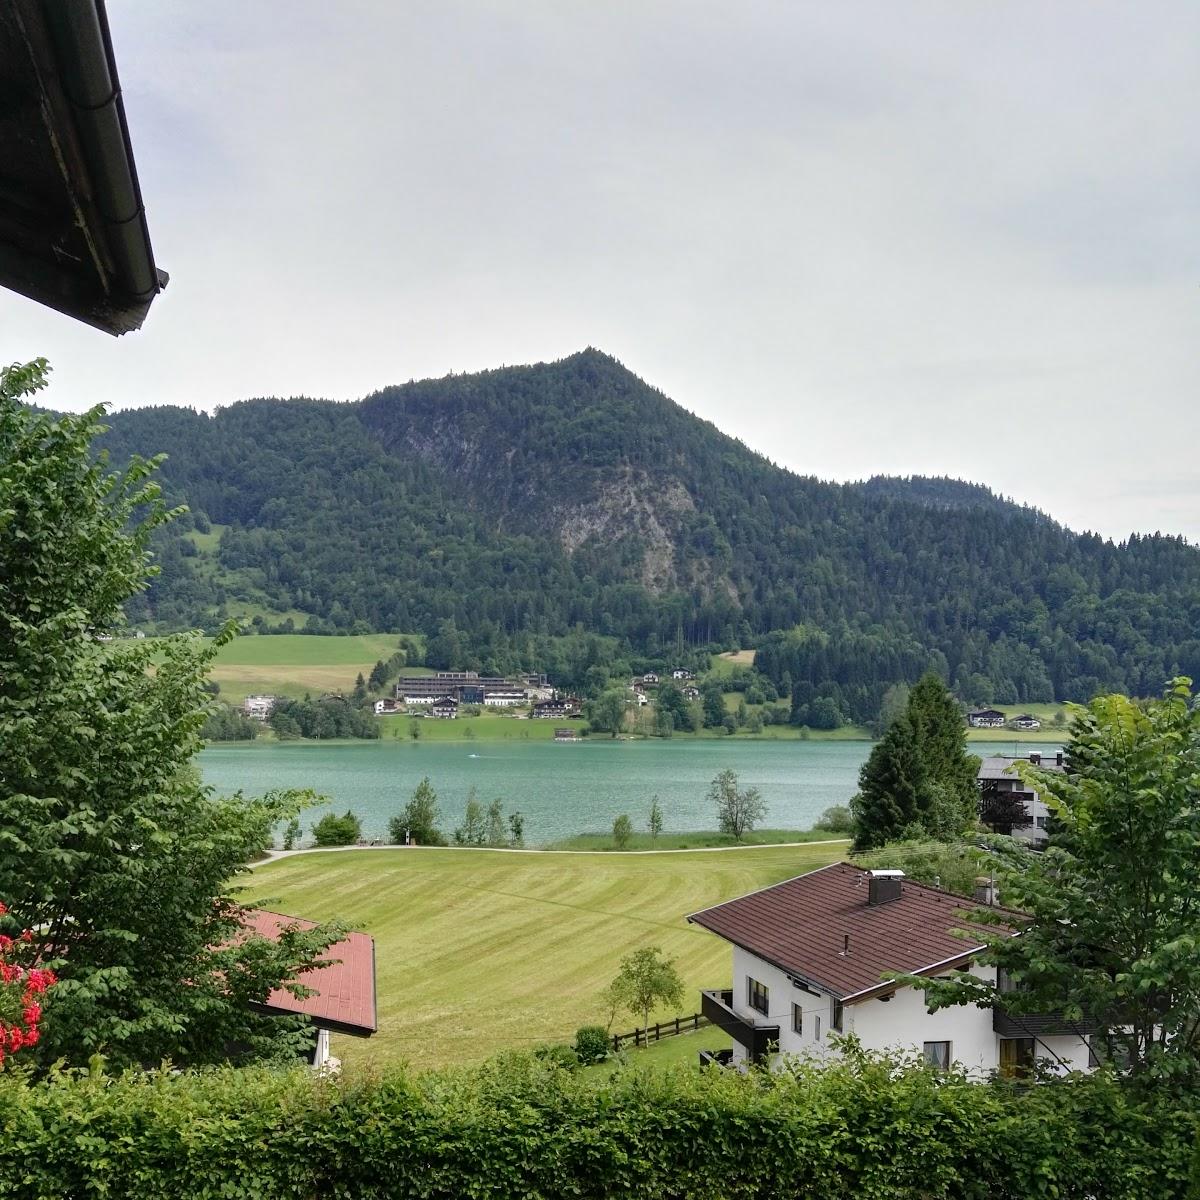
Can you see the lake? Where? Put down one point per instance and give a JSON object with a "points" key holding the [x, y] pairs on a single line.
{"points": [[561, 789]]}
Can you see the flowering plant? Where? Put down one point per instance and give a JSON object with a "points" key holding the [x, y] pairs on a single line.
{"points": [[21, 991]]}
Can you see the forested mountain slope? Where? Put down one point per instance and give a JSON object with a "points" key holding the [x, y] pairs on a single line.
{"points": [[527, 502]]}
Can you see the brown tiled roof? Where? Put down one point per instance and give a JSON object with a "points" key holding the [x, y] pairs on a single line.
{"points": [[801, 925], [343, 990]]}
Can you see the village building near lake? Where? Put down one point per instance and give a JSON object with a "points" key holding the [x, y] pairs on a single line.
{"points": [[986, 718], [1009, 805], [811, 959]]}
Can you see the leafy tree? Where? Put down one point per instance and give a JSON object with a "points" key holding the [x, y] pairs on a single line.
{"points": [[292, 834], [495, 824], [419, 818], [516, 830], [893, 790], [414, 729], [360, 689], [1112, 902], [836, 819], [893, 705], [111, 852], [646, 979], [226, 724], [823, 714], [332, 830], [473, 830], [656, 818], [664, 724], [607, 713], [737, 811], [712, 701], [670, 700], [622, 831]]}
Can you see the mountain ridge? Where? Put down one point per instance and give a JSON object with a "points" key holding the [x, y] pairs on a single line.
{"points": [[527, 502]]}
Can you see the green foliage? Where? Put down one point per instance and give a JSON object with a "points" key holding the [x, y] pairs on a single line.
{"points": [[646, 979], [226, 724], [292, 834], [330, 717], [606, 714], [516, 830], [622, 831], [419, 818], [111, 852], [892, 788], [670, 701], [655, 823], [836, 819], [737, 811], [332, 830], [1112, 935], [952, 866], [473, 830], [526, 1127], [591, 1044], [558, 1055], [712, 705]]}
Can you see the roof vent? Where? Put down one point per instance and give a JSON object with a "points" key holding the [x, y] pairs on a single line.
{"points": [[884, 886], [1036, 758]]}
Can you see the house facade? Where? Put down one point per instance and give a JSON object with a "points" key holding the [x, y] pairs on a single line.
{"points": [[986, 718], [503, 699], [811, 958], [1004, 795], [258, 708], [1026, 721], [445, 709]]}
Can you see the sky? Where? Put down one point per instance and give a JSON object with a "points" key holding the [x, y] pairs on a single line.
{"points": [[933, 238]]}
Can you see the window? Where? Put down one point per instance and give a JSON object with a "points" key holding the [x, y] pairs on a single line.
{"points": [[1004, 981], [816, 1029], [937, 1054], [797, 1018], [1016, 1057], [837, 1016], [758, 995]]}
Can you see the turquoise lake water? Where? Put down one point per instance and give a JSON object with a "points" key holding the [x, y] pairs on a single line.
{"points": [[561, 789]]}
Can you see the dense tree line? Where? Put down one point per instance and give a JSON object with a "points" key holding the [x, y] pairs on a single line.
{"points": [[499, 513], [332, 717]]}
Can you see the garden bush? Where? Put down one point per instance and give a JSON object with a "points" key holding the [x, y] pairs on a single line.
{"points": [[591, 1043], [523, 1127]]}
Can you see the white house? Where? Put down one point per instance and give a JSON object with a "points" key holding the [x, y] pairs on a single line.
{"points": [[503, 699], [446, 709], [810, 958], [986, 718], [387, 707], [1026, 721], [258, 708], [682, 673]]}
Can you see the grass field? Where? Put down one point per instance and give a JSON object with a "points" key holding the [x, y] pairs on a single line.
{"points": [[693, 840], [1044, 713], [290, 664], [478, 951]]}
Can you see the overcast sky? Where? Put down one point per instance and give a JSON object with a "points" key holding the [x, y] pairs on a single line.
{"points": [[905, 237]]}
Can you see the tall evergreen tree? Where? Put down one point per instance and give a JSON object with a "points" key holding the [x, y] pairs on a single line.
{"points": [[941, 738], [893, 790]]}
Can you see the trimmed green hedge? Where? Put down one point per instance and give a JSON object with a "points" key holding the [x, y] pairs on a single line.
{"points": [[526, 1129]]}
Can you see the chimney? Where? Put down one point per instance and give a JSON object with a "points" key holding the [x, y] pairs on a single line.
{"points": [[1035, 757], [986, 891], [884, 887], [1058, 759]]}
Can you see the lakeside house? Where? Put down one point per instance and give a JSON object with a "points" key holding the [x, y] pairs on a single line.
{"points": [[566, 735], [811, 957], [341, 995], [986, 718], [1007, 804], [445, 709], [1026, 722], [387, 707], [561, 707], [258, 708]]}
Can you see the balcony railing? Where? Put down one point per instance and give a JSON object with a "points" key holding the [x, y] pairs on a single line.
{"points": [[1021, 1025], [759, 1038]]}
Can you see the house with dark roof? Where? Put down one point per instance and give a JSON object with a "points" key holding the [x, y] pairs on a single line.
{"points": [[813, 957], [1026, 721], [341, 989], [986, 718]]}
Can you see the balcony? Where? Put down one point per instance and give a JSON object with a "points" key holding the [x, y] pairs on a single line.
{"points": [[1024, 1025], [758, 1038]]}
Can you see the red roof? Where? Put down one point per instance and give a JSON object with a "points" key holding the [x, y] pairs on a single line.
{"points": [[343, 996], [801, 926]]}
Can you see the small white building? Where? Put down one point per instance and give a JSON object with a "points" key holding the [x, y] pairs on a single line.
{"points": [[446, 709], [387, 707], [1026, 722], [682, 673], [650, 677], [258, 708], [503, 699], [810, 959]]}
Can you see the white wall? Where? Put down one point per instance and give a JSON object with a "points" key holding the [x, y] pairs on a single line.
{"points": [[903, 1022]]}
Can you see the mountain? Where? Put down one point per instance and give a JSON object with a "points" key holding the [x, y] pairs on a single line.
{"points": [[504, 510]]}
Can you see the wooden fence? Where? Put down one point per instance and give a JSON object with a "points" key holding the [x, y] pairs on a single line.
{"points": [[655, 1033]]}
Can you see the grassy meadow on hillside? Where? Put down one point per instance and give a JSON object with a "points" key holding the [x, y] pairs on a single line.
{"points": [[291, 664], [478, 951]]}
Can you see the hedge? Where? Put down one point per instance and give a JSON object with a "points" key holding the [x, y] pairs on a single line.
{"points": [[519, 1127]]}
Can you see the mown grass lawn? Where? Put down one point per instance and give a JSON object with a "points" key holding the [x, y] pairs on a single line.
{"points": [[479, 951]]}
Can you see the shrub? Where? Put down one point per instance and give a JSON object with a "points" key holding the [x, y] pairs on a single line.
{"points": [[836, 819], [591, 1044], [333, 830], [560, 1054]]}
